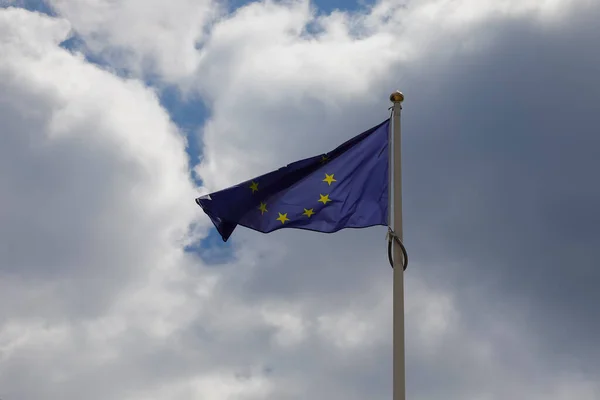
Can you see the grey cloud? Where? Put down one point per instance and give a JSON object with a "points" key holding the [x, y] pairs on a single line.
{"points": [[53, 207], [500, 160], [501, 175]]}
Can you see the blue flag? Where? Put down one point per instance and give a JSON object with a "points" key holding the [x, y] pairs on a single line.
{"points": [[345, 188]]}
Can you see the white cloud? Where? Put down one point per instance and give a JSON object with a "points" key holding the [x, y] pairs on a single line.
{"points": [[94, 216], [158, 37], [267, 80]]}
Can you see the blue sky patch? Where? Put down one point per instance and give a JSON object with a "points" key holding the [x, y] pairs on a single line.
{"points": [[33, 5]]}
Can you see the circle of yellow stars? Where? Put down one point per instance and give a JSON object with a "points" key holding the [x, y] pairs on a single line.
{"points": [[308, 212]]}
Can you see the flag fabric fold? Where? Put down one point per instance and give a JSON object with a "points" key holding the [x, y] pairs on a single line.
{"points": [[345, 188]]}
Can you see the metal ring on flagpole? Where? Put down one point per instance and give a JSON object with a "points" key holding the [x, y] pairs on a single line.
{"points": [[392, 237]]}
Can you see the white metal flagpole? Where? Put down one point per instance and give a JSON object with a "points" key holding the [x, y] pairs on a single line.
{"points": [[399, 377]]}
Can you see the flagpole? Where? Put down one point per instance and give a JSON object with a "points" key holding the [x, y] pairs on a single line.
{"points": [[399, 376]]}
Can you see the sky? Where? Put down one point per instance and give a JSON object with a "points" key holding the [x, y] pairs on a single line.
{"points": [[116, 115]]}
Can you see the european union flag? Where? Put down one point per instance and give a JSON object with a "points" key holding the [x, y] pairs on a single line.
{"points": [[345, 188]]}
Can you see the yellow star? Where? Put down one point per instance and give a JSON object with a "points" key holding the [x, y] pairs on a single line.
{"points": [[262, 208], [308, 212], [282, 218], [329, 179], [254, 186], [324, 199], [324, 158]]}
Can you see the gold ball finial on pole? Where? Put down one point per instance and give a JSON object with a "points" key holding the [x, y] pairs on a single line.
{"points": [[397, 97]]}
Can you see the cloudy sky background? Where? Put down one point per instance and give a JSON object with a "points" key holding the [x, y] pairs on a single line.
{"points": [[115, 115]]}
